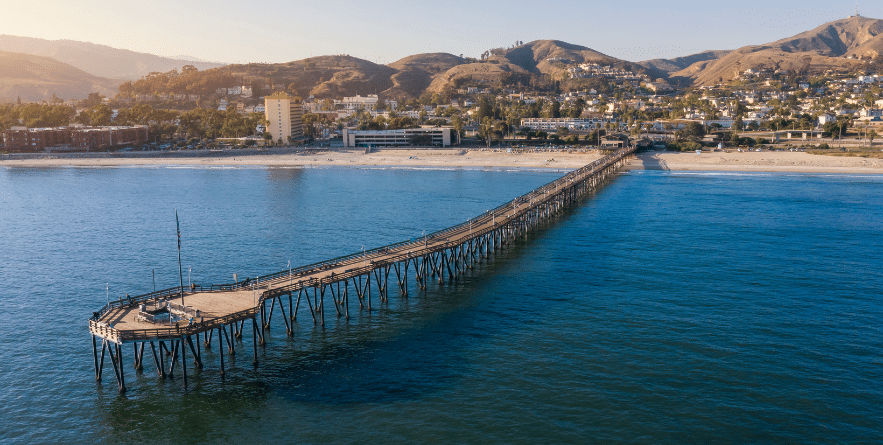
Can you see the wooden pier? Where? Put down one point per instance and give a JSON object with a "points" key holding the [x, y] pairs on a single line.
{"points": [[224, 312]]}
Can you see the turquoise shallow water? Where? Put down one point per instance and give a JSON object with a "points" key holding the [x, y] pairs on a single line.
{"points": [[671, 307]]}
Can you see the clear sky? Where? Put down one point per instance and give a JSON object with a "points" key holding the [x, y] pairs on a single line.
{"points": [[387, 30]]}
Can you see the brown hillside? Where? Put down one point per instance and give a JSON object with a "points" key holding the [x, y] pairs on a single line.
{"points": [[530, 58], [416, 73], [34, 78], [533, 56], [826, 47], [486, 73], [324, 76], [680, 63]]}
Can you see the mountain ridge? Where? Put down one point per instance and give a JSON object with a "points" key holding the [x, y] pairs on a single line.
{"points": [[837, 45], [98, 60]]}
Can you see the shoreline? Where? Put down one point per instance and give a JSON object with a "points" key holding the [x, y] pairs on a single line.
{"points": [[766, 161], [388, 158]]}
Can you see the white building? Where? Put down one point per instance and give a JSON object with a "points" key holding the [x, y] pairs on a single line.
{"points": [[553, 124], [825, 118], [436, 136], [360, 103]]}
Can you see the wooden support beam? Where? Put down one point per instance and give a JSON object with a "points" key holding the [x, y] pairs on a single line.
{"points": [[162, 357], [288, 331], [269, 315], [95, 357], [231, 348], [140, 357], [197, 356], [310, 305], [346, 298], [122, 373], [254, 340], [184, 361], [174, 360], [113, 361], [157, 360], [334, 299], [221, 350]]}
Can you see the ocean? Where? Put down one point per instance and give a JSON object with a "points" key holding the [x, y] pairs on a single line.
{"points": [[670, 307]]}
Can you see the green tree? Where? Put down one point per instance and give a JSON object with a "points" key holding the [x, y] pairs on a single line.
{"points": [[486, 130], [485, 108], [556, 109], [693, 130], [93, 100], [457, 123]]}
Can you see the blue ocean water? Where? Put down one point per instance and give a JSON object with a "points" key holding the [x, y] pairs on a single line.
{"points": [[671, 307]]}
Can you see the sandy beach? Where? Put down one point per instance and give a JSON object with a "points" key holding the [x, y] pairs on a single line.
{"points": [[390, 157], [766, 161]]}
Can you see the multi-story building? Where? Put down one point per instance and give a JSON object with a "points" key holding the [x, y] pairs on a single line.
{"points": [[360, 103], [285, 117], [553, 124], [72, 138], [434, 136]]}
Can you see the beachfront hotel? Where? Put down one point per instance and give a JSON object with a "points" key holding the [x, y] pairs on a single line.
{"points": [[74, 137], [285, 117]]}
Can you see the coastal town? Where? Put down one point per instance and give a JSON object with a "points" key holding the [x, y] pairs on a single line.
{"points": [[760, 108], [410, 222]]}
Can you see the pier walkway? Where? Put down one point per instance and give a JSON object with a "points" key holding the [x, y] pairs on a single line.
{"points": [[222, 311]]}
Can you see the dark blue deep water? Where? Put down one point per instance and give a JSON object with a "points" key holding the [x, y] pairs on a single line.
{"points": [[669, 308]]}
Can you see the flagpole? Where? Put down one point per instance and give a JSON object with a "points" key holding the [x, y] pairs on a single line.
{"points": [[180, 270]]}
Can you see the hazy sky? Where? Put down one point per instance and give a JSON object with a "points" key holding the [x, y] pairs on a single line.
{"points": [[385, 31]]}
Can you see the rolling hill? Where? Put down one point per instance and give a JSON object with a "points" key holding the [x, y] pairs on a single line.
{"points": [[35, 69], [35, 78], [98, 60], [677, 64], [837, 45], [540, 57]]}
